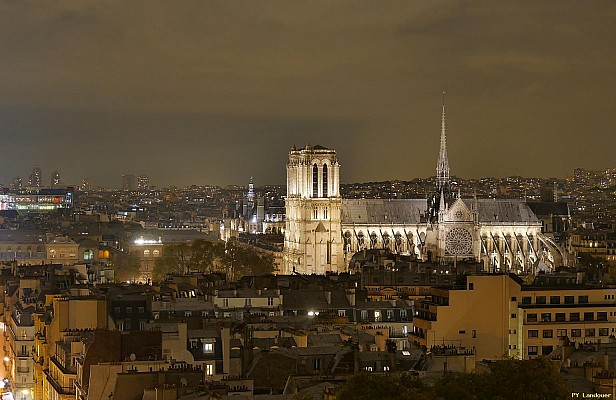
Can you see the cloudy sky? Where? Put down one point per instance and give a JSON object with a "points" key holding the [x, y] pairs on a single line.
{"points": [[212, 92]]}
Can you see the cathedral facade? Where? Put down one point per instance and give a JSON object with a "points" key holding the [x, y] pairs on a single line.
{"points": [[323, 231]]}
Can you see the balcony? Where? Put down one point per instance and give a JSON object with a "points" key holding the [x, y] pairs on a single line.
{"points": [[61, 390]]}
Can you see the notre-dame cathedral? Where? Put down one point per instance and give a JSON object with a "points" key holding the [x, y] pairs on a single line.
{"points": [[323, 230]]}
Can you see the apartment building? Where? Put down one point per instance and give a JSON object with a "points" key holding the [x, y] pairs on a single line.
{"points": [[498, 316]]}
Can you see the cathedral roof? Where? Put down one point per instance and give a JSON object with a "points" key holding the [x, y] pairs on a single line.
{"points": [[383, 211], [499, 210], [549, 208]]}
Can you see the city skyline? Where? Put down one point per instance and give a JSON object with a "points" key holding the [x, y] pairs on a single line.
{"points": [[214, 93]]}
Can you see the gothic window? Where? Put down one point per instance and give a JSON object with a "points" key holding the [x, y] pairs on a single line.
{"points": [[315, 181], [459, 241], [325, 180]]}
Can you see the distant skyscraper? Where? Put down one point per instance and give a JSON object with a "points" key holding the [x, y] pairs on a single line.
{"points": [[17, 184], [142, 182], [86, 184], [36, 177], [55, 178], [128, 182]]}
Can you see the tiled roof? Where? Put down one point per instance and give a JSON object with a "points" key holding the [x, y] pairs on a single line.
{"points": [[383, 211]]}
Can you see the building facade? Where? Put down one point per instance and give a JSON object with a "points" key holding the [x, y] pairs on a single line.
{"points": [[313, 236], [499, 316]]}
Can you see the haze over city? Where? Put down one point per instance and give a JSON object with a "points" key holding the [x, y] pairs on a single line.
{"points": [[214, 92]]}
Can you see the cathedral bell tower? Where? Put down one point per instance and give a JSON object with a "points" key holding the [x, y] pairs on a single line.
{"points": [[313, 241]]}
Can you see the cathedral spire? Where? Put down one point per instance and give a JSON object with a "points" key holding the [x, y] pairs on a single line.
{"points": [[442, 166]]}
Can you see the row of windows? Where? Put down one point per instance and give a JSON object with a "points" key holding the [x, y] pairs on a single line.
{"points": [[129, 310], [315, 213], [549, 333], [534, 350], [19, 248], [248, 302], [560, 317], [377, 314], [186, 314], [208, 348], [553, 299]]}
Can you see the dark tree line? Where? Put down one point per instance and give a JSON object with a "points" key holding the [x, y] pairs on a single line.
{"points": [[507, 379], [204, 256]]}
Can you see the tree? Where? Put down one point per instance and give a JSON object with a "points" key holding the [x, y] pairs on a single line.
{"points": [[126, 267], [526, 379], [507, 379], [207, 257], [372, 386], [239, 260], [175, 259]]}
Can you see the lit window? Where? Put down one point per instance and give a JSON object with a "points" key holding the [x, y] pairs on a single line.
{"points": [[208, 348]]}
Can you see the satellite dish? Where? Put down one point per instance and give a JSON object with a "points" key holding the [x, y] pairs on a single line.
{"points": [[132, 357]]}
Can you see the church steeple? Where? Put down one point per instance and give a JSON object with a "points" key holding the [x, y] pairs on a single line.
{"points": [[442, 166]]}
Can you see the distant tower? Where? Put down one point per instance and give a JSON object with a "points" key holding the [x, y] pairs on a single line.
{"points": [[55, 178], [86, 184], [128, 182], [36, 179], [17, 184], [142, 182], [313, 241], [251, 191], [249, 203]]}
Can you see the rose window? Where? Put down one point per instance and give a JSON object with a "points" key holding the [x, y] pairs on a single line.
{"points": [[459, 241]]}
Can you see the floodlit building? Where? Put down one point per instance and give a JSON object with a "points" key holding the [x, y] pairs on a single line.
{"points": [[498, 316], [323, 230]]}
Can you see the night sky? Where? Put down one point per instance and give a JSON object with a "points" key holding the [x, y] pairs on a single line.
{"points": [[212, 92]]}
